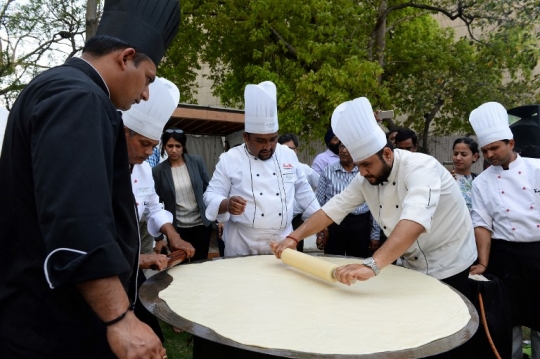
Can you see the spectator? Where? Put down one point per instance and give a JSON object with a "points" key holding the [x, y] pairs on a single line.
{"points": [[406, 140], [465, 153], [180, 183], [358, 234], [330, 155]]}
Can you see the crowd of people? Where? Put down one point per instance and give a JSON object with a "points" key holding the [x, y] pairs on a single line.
{"points": [[84, 211]]}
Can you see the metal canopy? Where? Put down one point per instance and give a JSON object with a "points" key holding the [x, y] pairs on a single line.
{"points": [[204, 120]]}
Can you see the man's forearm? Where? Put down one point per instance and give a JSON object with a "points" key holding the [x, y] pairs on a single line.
{"points": [[483, 245], [401, 238], [314, 224], [106, 296]]}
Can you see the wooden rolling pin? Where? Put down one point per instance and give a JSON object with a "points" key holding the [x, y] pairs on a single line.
{"points": [[309, 264]]}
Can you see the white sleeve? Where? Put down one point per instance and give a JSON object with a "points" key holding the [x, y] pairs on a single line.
{"points": [[218, 189]]}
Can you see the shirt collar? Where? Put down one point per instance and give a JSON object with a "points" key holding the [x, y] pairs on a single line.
{"points": [[90, 71]]}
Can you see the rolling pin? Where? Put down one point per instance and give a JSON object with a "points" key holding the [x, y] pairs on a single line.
{"points": [[309, 264]]}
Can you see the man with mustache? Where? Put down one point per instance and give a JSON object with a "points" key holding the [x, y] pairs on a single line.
{"points": [[254, 185], [415, 200], [505, 203]]}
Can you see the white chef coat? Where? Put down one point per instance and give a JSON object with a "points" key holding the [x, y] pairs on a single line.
{"points": [[507, 202], [313, 179], [147, 200], [421, 190], [269, 187]]}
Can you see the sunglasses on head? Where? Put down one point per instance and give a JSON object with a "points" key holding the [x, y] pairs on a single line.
{"points": [[174, 130]]}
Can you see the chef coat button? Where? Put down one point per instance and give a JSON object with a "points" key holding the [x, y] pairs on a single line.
{"points": [[507, 210], [380, 206], [502, 192], [262, 214], [397, 206], [524, 188], [384, 227], [538, 225], [394, 183], [277, 194], [532, 207], [261, 193], [415, 258], [519, 172], [274, 174], [280, 214], [257, 175], [513, 229], [135, 181], [499, 176]]}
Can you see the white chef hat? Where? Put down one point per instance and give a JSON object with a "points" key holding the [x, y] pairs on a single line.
{"points": [[148, 118], [354, 124], [490, 123], [261, 108]]}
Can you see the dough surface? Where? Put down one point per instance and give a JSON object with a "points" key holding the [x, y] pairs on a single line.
{"points": [[260, 301]]}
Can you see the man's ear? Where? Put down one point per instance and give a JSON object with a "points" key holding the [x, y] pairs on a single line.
{"points": [[124, 56]]}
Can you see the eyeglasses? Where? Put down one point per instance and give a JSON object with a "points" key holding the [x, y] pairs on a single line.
{"points": [[174, 130]]}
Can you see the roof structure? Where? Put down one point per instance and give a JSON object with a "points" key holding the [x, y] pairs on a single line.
{"points": [[205, 120]]}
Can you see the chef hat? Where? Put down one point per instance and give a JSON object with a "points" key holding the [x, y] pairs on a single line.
{"points": [[354, 124], [148, 118], [261, 108], [490, 123], [147, 25]]}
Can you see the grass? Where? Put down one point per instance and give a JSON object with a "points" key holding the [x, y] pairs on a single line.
{"points": [[179, 346]]}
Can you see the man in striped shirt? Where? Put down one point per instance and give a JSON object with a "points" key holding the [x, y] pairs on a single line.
{"points": [[358, 234]]}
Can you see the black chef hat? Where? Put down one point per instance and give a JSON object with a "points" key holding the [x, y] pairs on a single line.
{"points": [[148, 25]]}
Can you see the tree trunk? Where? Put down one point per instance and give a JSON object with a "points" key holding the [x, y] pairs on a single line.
{"points": [[91, 18], [428, 119]]}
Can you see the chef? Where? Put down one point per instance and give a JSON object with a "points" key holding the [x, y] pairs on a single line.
{"points": [[505, 214], [68, 223], [412, 196], [254, 185], [144, 124]]}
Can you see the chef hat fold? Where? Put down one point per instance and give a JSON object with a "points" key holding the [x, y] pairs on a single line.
{"points": [[354, 124], [490, 123], [148, 25], [261, 108], [148, 118]]}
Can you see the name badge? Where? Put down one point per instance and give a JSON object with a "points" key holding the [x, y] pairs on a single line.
{"points": [[145, 191], [289, 177]]}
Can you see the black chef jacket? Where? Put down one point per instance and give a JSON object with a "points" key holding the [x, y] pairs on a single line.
{"points": [[67, 212]]}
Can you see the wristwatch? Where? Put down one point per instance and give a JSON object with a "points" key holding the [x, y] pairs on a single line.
{"points": [[370, 262]]}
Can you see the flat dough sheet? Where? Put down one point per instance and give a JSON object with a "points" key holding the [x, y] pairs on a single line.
{"points": [[260, 301]]}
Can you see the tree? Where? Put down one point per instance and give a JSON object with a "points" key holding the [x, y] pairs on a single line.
{"points": [[321, 53], [36, 35]]}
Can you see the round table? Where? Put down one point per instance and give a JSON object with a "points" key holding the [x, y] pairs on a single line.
{"points": [[149, 295]]}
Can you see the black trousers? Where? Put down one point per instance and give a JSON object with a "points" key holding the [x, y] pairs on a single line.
{"points": [[199, 237], [517, 265], [351, 237]]}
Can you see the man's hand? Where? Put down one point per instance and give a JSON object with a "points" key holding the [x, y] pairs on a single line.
{"points": [[352, 272], [177, 243], [132, 339], [148, 260], [278, 247], [236, 205], [220, 230], [477, 269], [160, 245]]}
